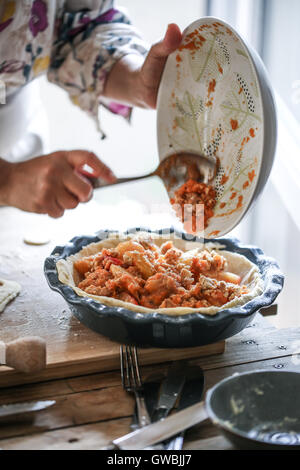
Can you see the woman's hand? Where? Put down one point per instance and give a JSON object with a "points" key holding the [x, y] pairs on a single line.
{"points": [[152, 69], [52, 183], [135, 81]]}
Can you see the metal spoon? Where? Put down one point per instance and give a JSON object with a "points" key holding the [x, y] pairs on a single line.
{"points": [[174, 171]]}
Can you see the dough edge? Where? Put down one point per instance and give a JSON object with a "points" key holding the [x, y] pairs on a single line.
{"points": [[8, 291]]}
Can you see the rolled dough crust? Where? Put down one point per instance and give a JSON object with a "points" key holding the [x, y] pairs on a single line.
{"points": [[8, 291], [36, 239]]}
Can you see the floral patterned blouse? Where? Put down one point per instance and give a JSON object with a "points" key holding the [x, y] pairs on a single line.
{"points": [[75, 42]]}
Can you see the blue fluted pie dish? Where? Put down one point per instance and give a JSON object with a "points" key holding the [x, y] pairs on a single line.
{"points": [[161, 330]]}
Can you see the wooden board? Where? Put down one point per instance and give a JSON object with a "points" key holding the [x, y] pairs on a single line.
{"points": [[104, 358], [72, 349], [86, 416]]}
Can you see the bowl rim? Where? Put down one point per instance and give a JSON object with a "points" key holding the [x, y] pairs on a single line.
{"points": [[231, 429], [272, 277]]}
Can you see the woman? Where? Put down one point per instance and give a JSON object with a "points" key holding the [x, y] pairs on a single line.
{"points": [[90, 49]]}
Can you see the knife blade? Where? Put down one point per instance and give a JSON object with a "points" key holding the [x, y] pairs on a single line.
{"points": [[170, 390], [161, 430], [192, 392], [16, 409]]}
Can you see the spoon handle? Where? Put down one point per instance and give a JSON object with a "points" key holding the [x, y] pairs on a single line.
{"points": [[99, 183]]}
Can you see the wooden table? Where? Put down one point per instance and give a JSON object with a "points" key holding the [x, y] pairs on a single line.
{"points": [[92, 408]]}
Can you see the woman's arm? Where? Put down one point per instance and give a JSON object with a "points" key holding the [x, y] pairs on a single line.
{"points": [[5, 172], [86, 46], [99, 57]]}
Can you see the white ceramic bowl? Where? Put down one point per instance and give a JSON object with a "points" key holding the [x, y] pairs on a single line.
{"points": [[215, 98]]}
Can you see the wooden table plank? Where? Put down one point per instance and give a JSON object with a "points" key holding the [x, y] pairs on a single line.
{"points": [[105, 358], [212, 443], [280, 363], [250, 346], [78, 410], [278, 339], [270, 311], [87, 437], [109, 379]]}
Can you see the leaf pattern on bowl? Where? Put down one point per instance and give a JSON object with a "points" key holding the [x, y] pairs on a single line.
{"points": [[238, 108], [212, 59], [190, 119]]}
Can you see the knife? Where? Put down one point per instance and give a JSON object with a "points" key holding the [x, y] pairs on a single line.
{"points": [[16, 409], [192, 392], [161, 430], [170, 390], [151, 390]]}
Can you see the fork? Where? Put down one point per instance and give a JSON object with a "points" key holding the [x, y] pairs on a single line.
{"points": [[131, 381]]}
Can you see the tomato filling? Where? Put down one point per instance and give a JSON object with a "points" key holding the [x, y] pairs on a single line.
{"points": [[194, 203], [139, 272]]}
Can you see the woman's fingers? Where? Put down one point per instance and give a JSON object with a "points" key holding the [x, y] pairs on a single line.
{"points": [[158, 54], [169, 43], [54, 209], [78, 185], [79, 158], [61, 201], [66, 200]]}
